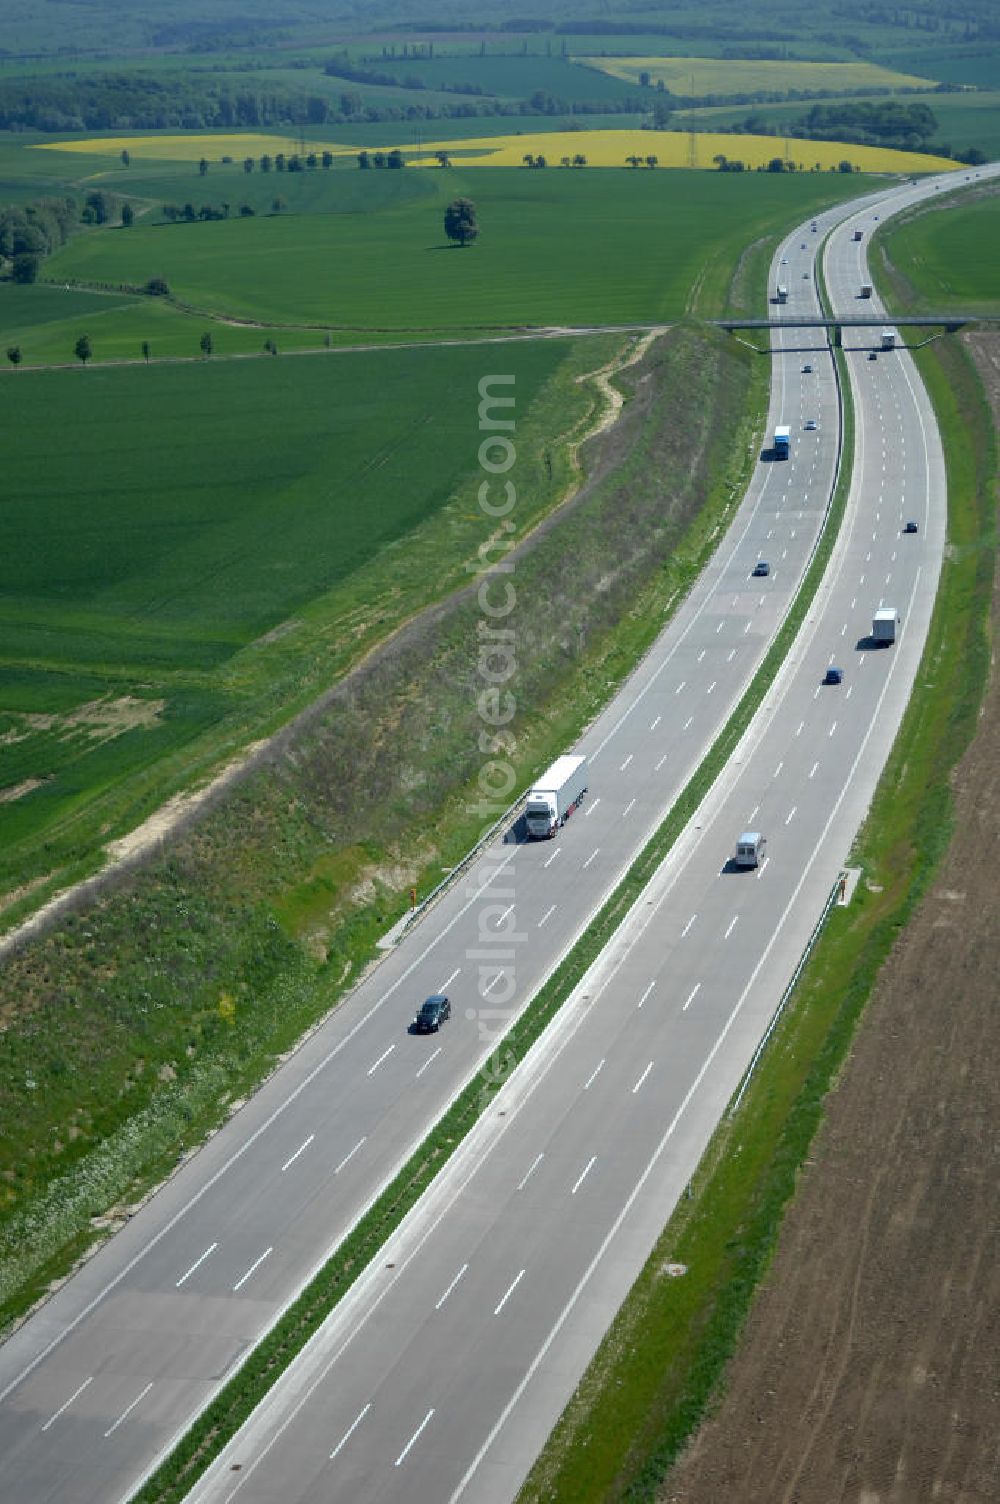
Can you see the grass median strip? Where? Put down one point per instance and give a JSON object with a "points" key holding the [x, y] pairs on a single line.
{"points": [[234, 1404]]}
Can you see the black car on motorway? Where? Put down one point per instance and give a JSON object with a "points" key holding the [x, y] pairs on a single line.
{"points": [[432, 1014]]}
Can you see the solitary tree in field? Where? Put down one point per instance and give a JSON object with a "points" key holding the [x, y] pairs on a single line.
{"points": [[128, 215], [528, 159], [277, 204], [579, 160], [652, 161], [460, 221], [145, 351], [126, 159], [203, 166], [83, 349], [633, 161], [206, 344], [443, 159], [14, 355]]}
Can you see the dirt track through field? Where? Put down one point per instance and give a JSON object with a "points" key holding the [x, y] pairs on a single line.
{"points": [[870, 1369]]}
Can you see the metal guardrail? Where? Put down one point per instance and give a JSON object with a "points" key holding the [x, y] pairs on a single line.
{"points": [[783, 1000]]}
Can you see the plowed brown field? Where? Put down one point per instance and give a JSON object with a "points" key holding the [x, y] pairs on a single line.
{"points": [[870, 1369]]}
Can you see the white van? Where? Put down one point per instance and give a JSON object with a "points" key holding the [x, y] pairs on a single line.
{"points": [[750, 849]]}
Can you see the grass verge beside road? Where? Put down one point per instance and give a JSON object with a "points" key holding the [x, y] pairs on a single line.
{"points": [[659, 1365]]}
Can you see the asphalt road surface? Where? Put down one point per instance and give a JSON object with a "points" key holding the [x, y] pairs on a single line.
{"points": [[442, 1375]]}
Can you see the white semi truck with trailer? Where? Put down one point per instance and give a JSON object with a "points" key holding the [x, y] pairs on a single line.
{"points": [[884, 624], [555, 796]]}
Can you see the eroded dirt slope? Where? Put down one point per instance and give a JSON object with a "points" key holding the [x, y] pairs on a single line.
{"points": [[870, 1371]]}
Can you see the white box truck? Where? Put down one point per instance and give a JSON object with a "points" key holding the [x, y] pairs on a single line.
{"points": [[888, 339], [555, 796], [884, 624], [750, 849], [782, 441], [782, 293], [866, 290]]}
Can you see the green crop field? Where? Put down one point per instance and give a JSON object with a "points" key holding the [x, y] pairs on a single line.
{"points": [[555, 247], [952, 258], [510, 77], [977, 64], [155, 522]]}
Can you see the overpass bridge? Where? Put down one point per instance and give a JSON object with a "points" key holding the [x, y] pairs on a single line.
{"points": [[946, 322]]}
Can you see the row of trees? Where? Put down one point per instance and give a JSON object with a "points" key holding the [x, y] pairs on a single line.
{"points": [[188, 214], [778, 164], [370, 159], [83, 349]]}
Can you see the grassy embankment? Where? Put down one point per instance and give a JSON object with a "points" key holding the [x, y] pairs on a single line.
{"points": [[666, 1352]]}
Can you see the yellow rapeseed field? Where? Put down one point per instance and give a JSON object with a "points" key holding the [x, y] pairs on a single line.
{"points": [[601, 149], [675, 149], [188, 148], [713, 75]]}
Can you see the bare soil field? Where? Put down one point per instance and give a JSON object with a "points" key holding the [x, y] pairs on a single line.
{"points": [[868, 1373]]}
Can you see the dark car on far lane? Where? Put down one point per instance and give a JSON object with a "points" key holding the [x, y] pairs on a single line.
{"points": [[432, 1014]]}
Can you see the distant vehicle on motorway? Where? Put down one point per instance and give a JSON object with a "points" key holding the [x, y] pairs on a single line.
{"points": [[873, 355], [811, 424], [807, 369], [761, 568], [432, 1014], [833, 675], [911, 527]]}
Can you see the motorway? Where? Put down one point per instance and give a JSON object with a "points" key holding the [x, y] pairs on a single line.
{"points": [[442, 1375]]}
